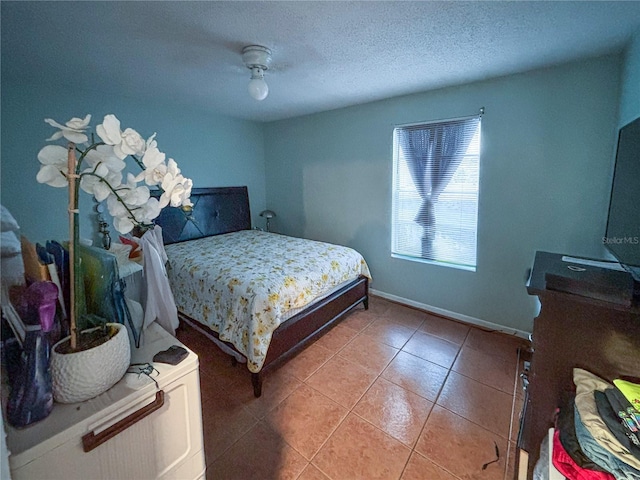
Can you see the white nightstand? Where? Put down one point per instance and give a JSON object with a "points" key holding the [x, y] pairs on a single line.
{"points": [[167, 443]]}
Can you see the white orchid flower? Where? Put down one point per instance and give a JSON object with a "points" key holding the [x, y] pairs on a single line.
{"points": [[123, 224], [109, 130], [182, 193], [124, 143], [122, 220], [155, 168], [99, 181], [149, 211], [104, 171], [177, 188], [170, 181], [129, 204], [116, 207], [72, 130], [104, 154], [177, 192], [132, 143], [173, 166], [53, 168], [135, 206], [138, 196], [133, 194], [152, 157], [151, 142]]}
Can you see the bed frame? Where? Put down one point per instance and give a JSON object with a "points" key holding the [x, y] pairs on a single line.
{"points": [[224, 210]]}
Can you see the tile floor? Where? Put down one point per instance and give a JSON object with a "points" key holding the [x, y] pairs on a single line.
{"points": [[388, 393]]}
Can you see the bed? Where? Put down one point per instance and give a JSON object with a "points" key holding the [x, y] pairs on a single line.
{"points": [[265, 323]]}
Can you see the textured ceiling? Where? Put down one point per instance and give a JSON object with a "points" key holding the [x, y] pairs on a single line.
{"points": [[326, 55]]}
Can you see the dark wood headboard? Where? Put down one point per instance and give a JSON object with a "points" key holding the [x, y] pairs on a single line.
{"points": [[215, 211]]}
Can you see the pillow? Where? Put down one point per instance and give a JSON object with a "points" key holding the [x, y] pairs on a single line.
{"points": [[9, 223], [586, 384], [9, 244], [630, 390]]}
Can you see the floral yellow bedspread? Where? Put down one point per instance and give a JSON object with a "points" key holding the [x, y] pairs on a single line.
{"points": [[241, 284]]}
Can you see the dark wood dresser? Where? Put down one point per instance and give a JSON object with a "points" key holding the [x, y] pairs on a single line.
{"points": [[575, 328]]}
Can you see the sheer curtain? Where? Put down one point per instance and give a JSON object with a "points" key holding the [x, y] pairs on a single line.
{"points": [[433, 152]]}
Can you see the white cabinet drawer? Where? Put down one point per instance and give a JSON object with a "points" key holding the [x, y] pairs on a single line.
{"points": [[128, 433]]}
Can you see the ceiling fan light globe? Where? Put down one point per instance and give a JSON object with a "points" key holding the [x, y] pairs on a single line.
{"points": [[258, 89]]}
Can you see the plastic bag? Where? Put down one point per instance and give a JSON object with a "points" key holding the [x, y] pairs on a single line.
{"points": [[31, 397]]}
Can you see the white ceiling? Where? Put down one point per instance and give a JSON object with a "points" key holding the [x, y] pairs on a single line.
{"points": [[326, 54]]}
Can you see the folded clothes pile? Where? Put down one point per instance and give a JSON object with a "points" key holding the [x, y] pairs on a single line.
{"points": [[598, 434]]}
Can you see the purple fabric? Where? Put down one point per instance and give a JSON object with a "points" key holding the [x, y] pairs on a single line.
{"points": [[43, 296]]}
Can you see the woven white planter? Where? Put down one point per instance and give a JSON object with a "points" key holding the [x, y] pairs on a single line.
{"points": [[79, 376]]}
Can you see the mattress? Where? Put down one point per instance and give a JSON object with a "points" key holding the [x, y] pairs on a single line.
{"points": [[244, 284]]}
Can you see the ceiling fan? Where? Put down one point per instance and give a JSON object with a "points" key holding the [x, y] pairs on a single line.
{"points": [[257, 59]]}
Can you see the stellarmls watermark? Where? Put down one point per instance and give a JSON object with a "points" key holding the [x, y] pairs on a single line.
{"points": [[621, 240]]}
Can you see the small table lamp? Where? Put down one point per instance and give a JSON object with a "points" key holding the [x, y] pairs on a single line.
{"points": [[268, 214]]}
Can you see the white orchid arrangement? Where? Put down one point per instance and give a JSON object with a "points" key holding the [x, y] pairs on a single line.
{"points": [[100, 168]]}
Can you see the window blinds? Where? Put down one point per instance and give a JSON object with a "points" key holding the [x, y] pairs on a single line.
{"points": [[435, 191]]}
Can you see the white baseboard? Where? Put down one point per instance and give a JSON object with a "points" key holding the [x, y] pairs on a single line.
{"points": [[446, 313]]}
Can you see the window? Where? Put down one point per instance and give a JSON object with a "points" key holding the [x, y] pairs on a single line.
{"points": [[436, 169]]}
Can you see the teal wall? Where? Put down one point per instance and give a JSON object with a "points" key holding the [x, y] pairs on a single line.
{"points": [[630, 92], [547, 143], [211, 149]]}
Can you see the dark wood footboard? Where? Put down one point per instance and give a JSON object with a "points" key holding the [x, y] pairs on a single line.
{"points": [[300, 330]]}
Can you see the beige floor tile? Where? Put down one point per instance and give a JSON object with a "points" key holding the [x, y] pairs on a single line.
{"points": [[497, 371], [329, 414], [433, 349], [416, 375], [305, 419], [225, 373], [365, 351], [277, 385], [209, 387], [486, 406], [260, 454], [461, 447], [224, 421], [493, 343], [378, 305], [307, 361], [454, 332], [359, 320], [336, 338], [358, 450], [342, 381], [312, 473], [409, 317], [396, 411], [390, 333], [213, 361], [420, 468]]}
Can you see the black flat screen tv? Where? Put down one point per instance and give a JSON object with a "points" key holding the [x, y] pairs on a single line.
{"points": [[622, 237]]}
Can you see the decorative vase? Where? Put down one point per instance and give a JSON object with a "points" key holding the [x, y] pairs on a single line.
{"points": [[81, 375]]}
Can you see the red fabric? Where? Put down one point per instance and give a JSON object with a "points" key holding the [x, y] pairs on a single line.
{"points": [[567, 467], [135, 246]]}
